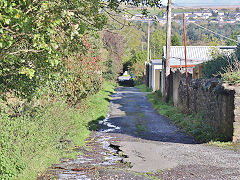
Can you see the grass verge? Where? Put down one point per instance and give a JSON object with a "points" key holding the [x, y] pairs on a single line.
{"points": [[33, 142], [227, 145], [192, 124], [143, 88]]}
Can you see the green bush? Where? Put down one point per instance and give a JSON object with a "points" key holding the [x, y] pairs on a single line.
{"points": [[216, 66], [41, 42], [41, 136], [223, 66]]}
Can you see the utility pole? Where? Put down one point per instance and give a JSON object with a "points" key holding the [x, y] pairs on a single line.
{"points": [[154, 52], [185, 45], [168, 51], [148, 53]]}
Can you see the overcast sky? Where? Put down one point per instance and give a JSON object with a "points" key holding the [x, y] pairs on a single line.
{"points": [[204, 2]]}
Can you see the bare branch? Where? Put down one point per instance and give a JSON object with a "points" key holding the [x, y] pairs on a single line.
{"points": [[26, 51]]}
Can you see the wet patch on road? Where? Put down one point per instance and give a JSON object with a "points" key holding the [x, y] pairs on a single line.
{"points": [[102, 159]]}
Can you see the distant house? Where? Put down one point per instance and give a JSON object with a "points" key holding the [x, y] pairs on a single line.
{"points": [[207, 13], [177, 14], [220, 19], [188, 13], [199, 14], [192, 16], [142, 18], [205, 16], [214, 21], [230, 21], [220, 13], [237, 18]]}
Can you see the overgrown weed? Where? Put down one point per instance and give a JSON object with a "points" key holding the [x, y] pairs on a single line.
{"points": [[41, 136]]}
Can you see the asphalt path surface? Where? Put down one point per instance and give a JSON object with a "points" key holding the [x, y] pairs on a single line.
{"points": [[152, 143], [135, 142]]}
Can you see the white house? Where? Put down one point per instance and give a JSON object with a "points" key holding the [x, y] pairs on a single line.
{"points": [[237, 18], [207, 13], [221, 13], [155, 69], [205, 16], [220, 19], [199, 14], [193, 16]]}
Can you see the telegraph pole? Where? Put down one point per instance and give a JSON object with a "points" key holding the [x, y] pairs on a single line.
{"points": [[148, 59], [185, 46], [148, 53], [168, 51]]}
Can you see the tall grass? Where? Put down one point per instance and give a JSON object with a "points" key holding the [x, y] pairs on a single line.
{"points": [[231, 72], [32, 142]]}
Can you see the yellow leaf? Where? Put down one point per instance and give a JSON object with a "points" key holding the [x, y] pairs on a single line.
{"points": [[18, 16]]}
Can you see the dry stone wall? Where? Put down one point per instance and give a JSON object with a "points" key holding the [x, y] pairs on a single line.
{"points": [[219, 103]]}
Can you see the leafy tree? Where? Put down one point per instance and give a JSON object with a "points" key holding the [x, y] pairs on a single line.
{"points": [[233, 36], [38, 39], [114, 44], [132, 39], [176, 40], [137, 64], [157, 41]]}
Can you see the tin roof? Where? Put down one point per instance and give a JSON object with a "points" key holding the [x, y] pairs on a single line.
{"points": [[196, 54], [156, 62]]}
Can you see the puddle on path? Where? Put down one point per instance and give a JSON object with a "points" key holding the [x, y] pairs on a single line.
{"points": [[98, 153], [79, 168], [109, 125]]}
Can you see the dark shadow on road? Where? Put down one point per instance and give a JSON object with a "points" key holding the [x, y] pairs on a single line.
{"points": [[134, 115], [94, 125], [107, 99]]}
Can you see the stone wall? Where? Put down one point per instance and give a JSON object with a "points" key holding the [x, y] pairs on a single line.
{"points": [[219, 103], [236, 122]]}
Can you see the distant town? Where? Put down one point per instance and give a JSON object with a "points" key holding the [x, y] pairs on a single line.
{"points": [[199, 16]]}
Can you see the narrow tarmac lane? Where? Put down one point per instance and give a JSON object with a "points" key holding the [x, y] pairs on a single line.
{"points": [[152, 143], [135, 142]]}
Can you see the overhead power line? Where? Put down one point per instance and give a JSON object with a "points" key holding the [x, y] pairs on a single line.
{"points": [[214, 32]]}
